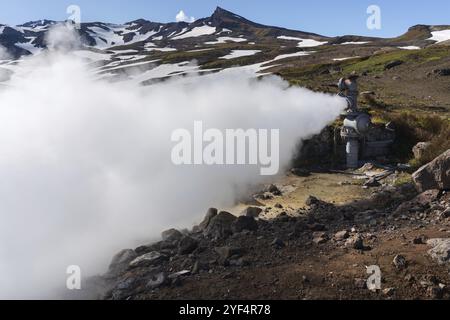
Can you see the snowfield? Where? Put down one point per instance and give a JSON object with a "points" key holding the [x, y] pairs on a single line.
{"points": [[303, 43], [354, 42], [291, 55], [289, 38], [196, 32], [345, 58], [410, 48], [309, 43], [221, 40], [240, 53], [440, 36]]}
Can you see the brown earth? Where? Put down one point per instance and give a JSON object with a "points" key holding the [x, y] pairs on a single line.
{"points": [[303, 269]]}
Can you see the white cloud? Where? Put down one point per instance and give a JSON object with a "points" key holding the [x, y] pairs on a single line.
{"points": [[182, 17]]}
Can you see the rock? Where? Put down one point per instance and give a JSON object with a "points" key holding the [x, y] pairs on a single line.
{"points": [[434, 175], [442, 72], [278, 206], [317, 227], [156, 280], [320, 237], [148, 259], [342, 235], [360, 283], [355, 242], [179, 274], [121, 261], [212, 212], [372, 183], [435, 292], [400, 262], [440, 251], [422, 239], [389, 292], [365, 94], [419, 203], [278, 243], [393, 64], [427, 197], [227, 252], [312, 201], [445, 214], [420, 149], [300, 172], [273, 189], [171, 235], [245, 223], [252, 212], [220, 226], [240, 262], [187, 245]]}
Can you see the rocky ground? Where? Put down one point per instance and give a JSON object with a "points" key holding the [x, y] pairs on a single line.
{"points": [[321, 250]]}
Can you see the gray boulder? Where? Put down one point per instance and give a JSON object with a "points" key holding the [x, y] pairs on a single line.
{"points": [[171, 235], [220, 226], [420, 149], [434, 175], [252, 212], [187, 245], [245, 223], [148, 259], [440, 251], [212, 212], [120, 262]]}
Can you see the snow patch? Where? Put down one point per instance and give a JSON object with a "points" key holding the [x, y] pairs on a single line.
{"points": [[440, 36], [289, 38], [346, 58], [308, 43], [196, 32], [221, 40], [240, 53], [354, 42], [291, 55], [410, 48]]}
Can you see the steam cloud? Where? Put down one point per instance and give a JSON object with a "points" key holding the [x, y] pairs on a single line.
{"points": [[85, 167], [4, 55]]}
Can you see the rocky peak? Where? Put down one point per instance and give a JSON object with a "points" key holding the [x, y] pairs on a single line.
{"points": [[38, 23]]}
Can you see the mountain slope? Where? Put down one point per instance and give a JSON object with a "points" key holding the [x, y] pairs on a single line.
{"points": [[143, 51]]}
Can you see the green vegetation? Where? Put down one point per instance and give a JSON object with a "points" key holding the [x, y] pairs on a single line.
{"points": [[412, 129]]}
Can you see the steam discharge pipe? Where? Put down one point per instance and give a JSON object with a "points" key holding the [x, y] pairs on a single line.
{"points": [[356, 125]]}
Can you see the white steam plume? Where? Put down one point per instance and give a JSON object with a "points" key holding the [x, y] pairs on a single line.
{"points": [[85, 167], [4, 54]]}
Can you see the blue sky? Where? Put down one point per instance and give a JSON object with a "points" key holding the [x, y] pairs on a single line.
{"points": [[325, 17]]}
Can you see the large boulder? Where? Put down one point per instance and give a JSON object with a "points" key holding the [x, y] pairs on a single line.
{"points": [[419, 203], [212, 212], [171, 235], [220, 226], [440, 251], [245, 223], [120, 262], [149, 259], [434, 175], [253, 212], [420, 149], [187, 245]]}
